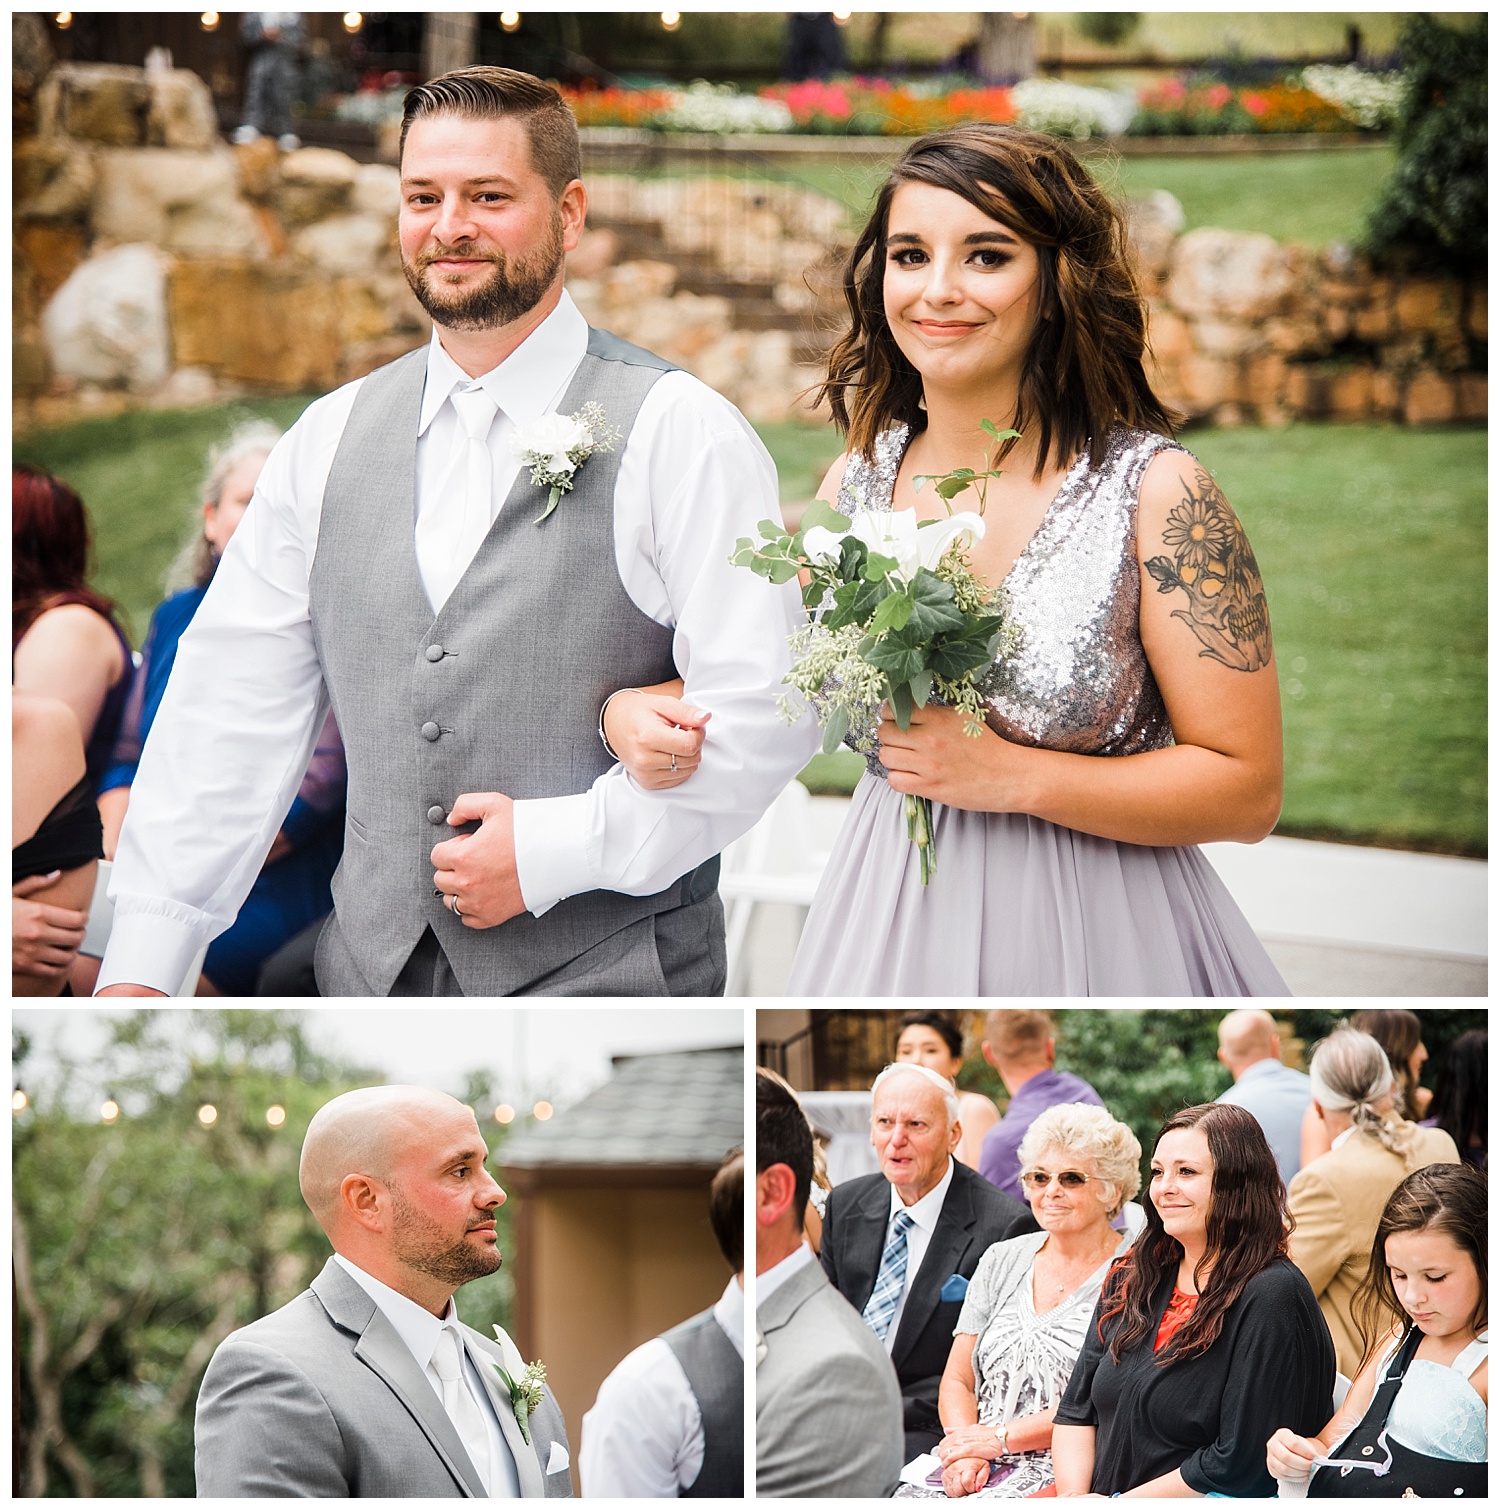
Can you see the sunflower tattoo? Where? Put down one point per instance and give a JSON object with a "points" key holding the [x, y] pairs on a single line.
{"points": [[1216, 568]]}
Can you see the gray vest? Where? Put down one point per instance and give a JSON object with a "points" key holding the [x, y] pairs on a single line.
{"points": [[716, 1374], [500, 692]]}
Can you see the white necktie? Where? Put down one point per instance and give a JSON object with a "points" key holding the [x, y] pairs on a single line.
{"points": [[457, 527], [463, 1410]]}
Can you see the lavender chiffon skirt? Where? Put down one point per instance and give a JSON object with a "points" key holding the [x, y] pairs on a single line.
{"points": [[1019, 907]]}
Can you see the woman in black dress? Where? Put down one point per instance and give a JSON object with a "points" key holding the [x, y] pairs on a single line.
{"points": [[1206, 1338]]}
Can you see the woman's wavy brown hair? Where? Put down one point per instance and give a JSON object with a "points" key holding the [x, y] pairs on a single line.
{"points": [[1082, 371], [1247, 1231], [1448, 1198]]}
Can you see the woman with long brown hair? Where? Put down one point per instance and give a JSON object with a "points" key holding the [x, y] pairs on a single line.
{"points": [[1206, 1339]]}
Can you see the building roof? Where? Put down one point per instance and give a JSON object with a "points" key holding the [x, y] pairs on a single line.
{"points": [[675, 1109]]}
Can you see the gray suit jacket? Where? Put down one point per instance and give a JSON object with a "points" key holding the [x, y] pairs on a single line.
{"points": [[827, 1404], [323, 1400]]}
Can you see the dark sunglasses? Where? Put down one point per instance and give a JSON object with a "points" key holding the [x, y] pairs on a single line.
{"points": [[1069, 1179]]}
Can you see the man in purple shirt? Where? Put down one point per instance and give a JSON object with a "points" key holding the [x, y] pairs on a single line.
{"points": [[1021, 1045]]}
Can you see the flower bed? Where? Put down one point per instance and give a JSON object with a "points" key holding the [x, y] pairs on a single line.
{"points": [[1320, 100]]}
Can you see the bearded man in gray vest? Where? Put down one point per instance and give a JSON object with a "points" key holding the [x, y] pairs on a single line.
{"points": [[669, 1421], [469, 625]]}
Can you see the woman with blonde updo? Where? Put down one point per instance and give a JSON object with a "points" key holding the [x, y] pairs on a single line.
{"points": [[1336, 1200]]}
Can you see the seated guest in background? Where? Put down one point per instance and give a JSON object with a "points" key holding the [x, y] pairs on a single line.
{"points": [[1421, 1401], [1336, 1200], [827, 1405], [65, 639], [293, 889], [1461, 1102], [669, 1421], [1399, 1034], [901, 1245], [1277, 1097], [1022, 1046], [1206, 1338], [1028, 1307], [934, 1039], [54, 832]]}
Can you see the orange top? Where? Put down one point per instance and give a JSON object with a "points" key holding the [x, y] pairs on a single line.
{"points": [[1179, 1308]]}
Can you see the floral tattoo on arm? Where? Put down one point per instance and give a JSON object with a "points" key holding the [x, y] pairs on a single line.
{"points": [[1214, 565]]}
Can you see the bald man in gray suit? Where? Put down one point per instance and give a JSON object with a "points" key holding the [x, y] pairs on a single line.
{"points": [[367, 1385]]}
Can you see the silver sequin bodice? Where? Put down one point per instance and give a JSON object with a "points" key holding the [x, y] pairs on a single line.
{"points": [[1078, 679]]}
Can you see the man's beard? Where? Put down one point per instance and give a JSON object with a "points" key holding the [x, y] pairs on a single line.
{"points": [[422, 1245], [514, 287]]}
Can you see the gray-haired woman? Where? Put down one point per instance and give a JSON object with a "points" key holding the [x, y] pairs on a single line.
{"points": [[293, 889], [1337, 1199], [1028, 1307]]}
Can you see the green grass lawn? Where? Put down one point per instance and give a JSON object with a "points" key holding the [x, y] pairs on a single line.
{"points": [[1371, 541], [1310, 197]]}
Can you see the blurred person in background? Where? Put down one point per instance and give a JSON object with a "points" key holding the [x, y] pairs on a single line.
{"points": [[1277, 1097], [1028, 1308], [669, 1421], [65, 637], [1336, 1200], [1461, 1103], [1022, 1046], [293, 890], [1399, 1033], [934, 1039], [901, 1245], [273, 37], [827, 1404], [55, 845]]}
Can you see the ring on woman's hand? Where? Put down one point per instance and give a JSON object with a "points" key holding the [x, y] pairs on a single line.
{"points": [[674, 762]]}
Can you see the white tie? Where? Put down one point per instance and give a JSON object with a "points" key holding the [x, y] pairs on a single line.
{"points": [[463, 1411], [458, 526]]}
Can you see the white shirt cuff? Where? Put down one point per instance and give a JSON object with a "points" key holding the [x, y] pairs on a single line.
{"points": [[150, 949], [551, 839]]}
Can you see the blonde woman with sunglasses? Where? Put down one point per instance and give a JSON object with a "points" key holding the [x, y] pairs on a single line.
{"points": [[1027, 1309]]}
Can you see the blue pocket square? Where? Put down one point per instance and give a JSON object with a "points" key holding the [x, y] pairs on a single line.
{"points": [[955, 1287]]}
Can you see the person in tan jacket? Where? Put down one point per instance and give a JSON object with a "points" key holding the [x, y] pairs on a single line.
{"points": [[1336, 1200]]}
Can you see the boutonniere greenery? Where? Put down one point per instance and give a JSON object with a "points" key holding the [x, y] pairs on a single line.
{"points": [[526, 1392], [556, 445]]}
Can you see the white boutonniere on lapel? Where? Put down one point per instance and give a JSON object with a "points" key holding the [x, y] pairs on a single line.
{"points": [[523, 1383], [556, 445]]}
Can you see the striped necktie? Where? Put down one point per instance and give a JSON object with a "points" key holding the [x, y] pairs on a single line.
{"points": [[890, 1281]]}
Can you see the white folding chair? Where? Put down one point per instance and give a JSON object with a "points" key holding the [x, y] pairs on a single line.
{"points": [[772, 863], [102, 920]]}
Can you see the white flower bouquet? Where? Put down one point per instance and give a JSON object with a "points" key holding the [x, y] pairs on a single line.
{"points": [[898, 616]]}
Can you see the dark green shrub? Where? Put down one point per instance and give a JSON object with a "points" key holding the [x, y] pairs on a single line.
{"points": [[1434, 211]]}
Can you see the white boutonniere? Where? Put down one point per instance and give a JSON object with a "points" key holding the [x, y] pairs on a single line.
{"points": [[556, 445], [525, 1391]]}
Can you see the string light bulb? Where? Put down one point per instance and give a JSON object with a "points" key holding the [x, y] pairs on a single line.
{"points": [[275, 1116], [505, 1114], [109, 1113], [353, 20], [19, 1101], [542, 1110], [509, 20], [208, 1114], [209, 20], [671, 20], [842, 17], [64, 19]]}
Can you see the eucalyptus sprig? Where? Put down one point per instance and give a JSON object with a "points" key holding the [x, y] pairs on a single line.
{"points": [[950, 484]]}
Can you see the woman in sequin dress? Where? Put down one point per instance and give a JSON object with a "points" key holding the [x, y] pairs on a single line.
{"points": [[1130, 725], [1028, 1306]]}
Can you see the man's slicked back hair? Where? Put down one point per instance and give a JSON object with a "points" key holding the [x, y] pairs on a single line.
{"points": [[492, 94]]}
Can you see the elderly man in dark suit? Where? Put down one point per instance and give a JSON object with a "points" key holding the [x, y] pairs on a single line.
{"points": [[901, 1245]]}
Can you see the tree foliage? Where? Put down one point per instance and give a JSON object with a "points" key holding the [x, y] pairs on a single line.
{"points": [[1435, 209]]}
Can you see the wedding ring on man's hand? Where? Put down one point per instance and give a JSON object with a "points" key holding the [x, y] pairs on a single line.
{"points": [[674, 761], [453, 907]]}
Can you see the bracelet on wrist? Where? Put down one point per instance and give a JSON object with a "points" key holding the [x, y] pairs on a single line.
{"points": [[603, 739]]}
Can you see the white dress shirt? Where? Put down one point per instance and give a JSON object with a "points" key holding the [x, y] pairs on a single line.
{"points": [[419, 1329], [245, 700], [644, 1437], [924, 1215], [767, 1284]]}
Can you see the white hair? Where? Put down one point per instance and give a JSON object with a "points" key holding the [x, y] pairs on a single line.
{"points": [[1350, 1072], [1088, 1132], [950, 1096]]}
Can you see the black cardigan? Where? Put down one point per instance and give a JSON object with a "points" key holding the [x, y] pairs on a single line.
{"points": [[1210, 1416]]}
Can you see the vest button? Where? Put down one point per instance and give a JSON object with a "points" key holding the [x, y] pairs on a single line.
{"points": [[1367, 1450], [430, 731], [434, 653], [435, 814]]}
